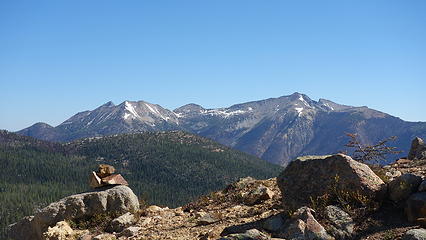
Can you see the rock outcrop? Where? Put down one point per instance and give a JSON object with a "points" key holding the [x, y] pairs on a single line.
{"points": [[403, 186], [118, 199], [417, 150], [311, 177]]}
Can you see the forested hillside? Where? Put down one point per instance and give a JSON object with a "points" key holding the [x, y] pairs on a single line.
{"points": [[171, 168], [164, 168], [34, 173]]}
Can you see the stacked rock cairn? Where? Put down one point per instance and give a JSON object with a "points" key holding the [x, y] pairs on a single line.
{"points": [[105, 176]]}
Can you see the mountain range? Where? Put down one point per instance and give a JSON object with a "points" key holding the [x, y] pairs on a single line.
{"points": [[274, 129]]}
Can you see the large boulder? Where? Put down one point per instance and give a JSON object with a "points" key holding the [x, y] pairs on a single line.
{"points": [[118, 199], [403, 186], [417, 150], [415, 234], [307, 178]]}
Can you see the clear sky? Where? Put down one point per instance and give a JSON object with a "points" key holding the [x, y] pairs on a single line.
{"points": [[58, 58]]}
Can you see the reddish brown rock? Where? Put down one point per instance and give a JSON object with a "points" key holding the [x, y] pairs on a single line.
{"points": [[115, 179], [402, 161]]}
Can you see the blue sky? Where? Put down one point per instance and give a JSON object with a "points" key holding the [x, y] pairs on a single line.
{"points": [[58, 58]]}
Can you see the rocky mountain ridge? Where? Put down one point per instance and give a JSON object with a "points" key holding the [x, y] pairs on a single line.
{"points": [[274, 129]]}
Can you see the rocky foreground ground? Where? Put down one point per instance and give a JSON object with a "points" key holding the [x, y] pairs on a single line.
{"points": [[320, 197]]}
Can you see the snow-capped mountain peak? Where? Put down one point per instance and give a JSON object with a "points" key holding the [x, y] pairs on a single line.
{"points": [[275, 129], [130, 112]]}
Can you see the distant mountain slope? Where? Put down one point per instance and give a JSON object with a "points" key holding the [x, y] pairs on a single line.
{"points": [[275, 129], [165, 168], [108, 119], [42, 131]]}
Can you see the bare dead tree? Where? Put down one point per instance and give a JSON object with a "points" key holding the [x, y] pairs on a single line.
{"points": [[370, 153]]}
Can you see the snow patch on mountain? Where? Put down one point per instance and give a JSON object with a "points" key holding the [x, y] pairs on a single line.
{"points": [[133, 114], [126, 116], [91, 121], [304, 101], [105, 116], [328, 106], [223, 113], [179, 115], [299, 110], [154, 110]]}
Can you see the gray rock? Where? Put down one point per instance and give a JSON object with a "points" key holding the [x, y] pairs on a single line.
{"points": [[342, 225], [417, 150], [207, 219], [415, 234], [258, 195], [105, 236], [244, 182], [392, 174], [121, 222], [304, 226], [20, 230], [119, 199], [130, 231], [422, 186], [274, 223], [252, 234], [403, 186], [416, 207], [294, 230], [307, 178]]}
